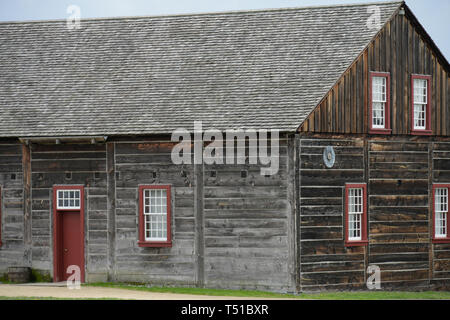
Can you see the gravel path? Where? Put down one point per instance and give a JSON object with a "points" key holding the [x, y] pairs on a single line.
{"points": [[60, 291]]}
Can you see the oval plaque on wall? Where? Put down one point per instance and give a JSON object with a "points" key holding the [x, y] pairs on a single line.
{"points": [[329, 157]]}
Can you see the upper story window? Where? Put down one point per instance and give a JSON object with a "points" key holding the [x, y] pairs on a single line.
{"points": [[440, 212], [380, 114], [154, 216], [420, 105], [356, 214]]}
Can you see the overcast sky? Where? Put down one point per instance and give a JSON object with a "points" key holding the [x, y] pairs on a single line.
{"points": [[434, 15]]}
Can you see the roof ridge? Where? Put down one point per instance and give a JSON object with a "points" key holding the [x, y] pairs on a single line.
{"points": [[251, 11]]}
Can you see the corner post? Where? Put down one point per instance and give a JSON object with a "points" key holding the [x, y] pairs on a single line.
{"points": [[27, 238]]}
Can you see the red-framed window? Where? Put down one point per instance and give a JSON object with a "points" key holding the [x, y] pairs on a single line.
{"points": [[380, 103], [441, 231], [154, 216], [355, 215], [420, 105]]}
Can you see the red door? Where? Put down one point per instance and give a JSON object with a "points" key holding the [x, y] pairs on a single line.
{"points": [[68, 232], [71, 239]]}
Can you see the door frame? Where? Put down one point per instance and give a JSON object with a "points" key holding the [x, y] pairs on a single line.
{"points": [[57, 228]]}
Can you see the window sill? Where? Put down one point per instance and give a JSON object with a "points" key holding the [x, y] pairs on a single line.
{"points": [[146, 244], [380, 131], [362, 243], [421, 132], [442, 240]]}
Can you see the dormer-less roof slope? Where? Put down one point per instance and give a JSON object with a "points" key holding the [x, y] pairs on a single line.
{"points": [[147, 75]]}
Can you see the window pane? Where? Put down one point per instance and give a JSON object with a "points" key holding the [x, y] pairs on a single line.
{"points": [[420, 116], [441, 212], [155, 210], [378, 114], [355, 213], [68, 199], [420, 91], [379, 89], [420, 103]]}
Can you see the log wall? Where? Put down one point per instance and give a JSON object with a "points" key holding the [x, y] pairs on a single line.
{"points": [[440, 255], [146, 163], [228, 230], [246, 223], [69, 165], [231, 226], [325, 263], [399, 211], [12, 218], [399, 173]]}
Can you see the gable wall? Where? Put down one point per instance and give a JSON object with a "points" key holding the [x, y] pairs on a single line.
{"points": [[400, 50]]}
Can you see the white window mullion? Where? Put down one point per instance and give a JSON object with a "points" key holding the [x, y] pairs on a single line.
{"points": [[355, 214], [420, 103], [68, 199], [379, 100], [155, 212], [441, 212]]}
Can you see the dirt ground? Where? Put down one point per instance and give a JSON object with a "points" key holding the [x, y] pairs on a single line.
{"points": [[61, 291]]}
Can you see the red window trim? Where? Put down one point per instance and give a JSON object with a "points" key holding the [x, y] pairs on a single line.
{"points": [[428, 130], [363, 241], [142, 242], [57, 226], [434, 239], [387, 114]]}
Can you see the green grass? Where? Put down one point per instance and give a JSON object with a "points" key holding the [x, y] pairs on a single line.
{"points": [[53, 298], [195, 291], [360, 295]]}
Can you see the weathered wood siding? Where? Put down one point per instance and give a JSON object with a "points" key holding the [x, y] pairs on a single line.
{"points": [[146, 163], [399, 173], [12, 224], [325, 263], [70, 164], [401, 50], [399, 197], [230, 229], [246, 223], [440, 255]]}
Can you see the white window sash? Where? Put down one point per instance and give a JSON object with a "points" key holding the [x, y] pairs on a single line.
{"points": [[420, 85], [440, 212], [355, 213], [158, 195], [68, 199], [375, 118], [379, 96]]}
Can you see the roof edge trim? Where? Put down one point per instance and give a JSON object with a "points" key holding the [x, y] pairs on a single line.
{"points": [[214, 13]]}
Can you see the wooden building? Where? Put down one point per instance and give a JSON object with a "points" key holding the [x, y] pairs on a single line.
{"points": [[359, 94]]}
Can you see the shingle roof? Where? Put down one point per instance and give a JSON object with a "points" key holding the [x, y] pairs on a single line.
{"points": [[144, 75]]}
